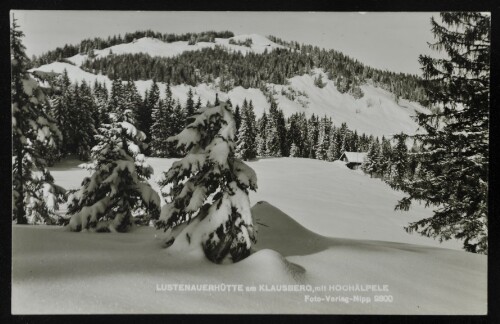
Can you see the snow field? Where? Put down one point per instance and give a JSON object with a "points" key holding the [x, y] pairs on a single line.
{"points": [[320, 224]]}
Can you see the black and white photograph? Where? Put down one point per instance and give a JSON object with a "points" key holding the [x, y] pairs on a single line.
{"points": [[246, 162]]}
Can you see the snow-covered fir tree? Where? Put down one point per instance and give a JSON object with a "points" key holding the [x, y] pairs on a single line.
{"points": [[159, 129], [261, 139], [61, 108], [190, 108], [144, 118], [118, 189], [302, 122], [252, 122], [413, 159], [117, 98], [294, 135], [100, 93], [237, 118], [318, 81], [282, 133], [454, 158], [198, 103], [208, 208], [294, 151], [35, 197], [273, 140], [371, 162], [88, 102], [132, 100], [312, 136], [178, 117], [245, 146], [323, 140], [162, 126], [332, 153], [399, 162], [81, 121]]}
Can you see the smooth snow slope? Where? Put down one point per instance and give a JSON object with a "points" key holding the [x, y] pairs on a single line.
{"points": [[56, 271], [376, 113]]}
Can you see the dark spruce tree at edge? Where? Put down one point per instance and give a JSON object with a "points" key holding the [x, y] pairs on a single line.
{"points": [[454, 158], [35, 197]]}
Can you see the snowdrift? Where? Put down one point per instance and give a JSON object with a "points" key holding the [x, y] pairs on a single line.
{"points": [[55, 271], [278, 231]]}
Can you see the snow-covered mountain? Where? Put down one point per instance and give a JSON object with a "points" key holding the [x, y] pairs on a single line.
{"points": [[156, 47], [376, 113]]}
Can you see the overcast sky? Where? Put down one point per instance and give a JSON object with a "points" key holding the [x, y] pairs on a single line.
{"points": [[389, 40]]}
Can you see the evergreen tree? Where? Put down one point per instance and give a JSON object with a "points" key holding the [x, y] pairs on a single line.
{"points": [[132, 100], [261, 139], [370, 164], [118, 188], [100, 94], [88, 102], [61, 109], [333, 146], [318, 81], [346, 140], [117, 97], [245, 146], [163, 125], [294, 134], [399, 162], [354, 142], [237, 119], [159, 129], [343, 138], [198, 103], [190, 108], [282, 133], [312, 136], [303, 127], [454, 158], [51, 153], [322, 144], [211, 210], [385, 157], [413, 160], [273, 140], [252, 123], [294, 150], [145, 116], [82, 121], [176, 125], [35, 198]]}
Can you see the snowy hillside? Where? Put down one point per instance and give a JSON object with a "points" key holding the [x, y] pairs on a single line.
{"points": [[321, 224], [156, 47], [376, 113]]}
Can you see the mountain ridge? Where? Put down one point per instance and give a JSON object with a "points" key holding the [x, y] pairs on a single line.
{"points": [[377, 112]]}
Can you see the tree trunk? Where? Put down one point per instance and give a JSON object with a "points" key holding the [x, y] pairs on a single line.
{"points": [[217, 252]]}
